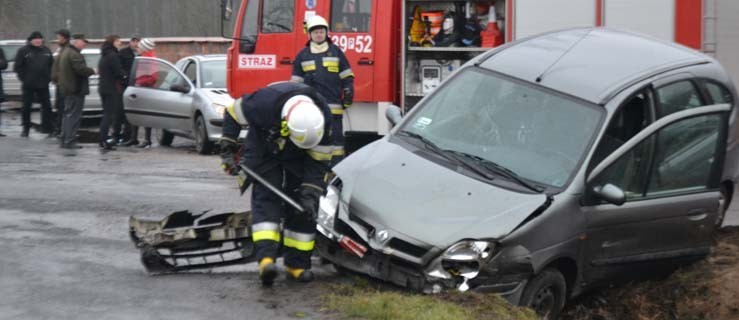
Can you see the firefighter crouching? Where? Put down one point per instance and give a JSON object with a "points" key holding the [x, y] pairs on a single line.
{"points": [[323, 66], [287, 146]]}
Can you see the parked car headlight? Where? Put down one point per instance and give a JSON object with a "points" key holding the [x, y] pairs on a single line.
{"points": [[218, 108], [328, 207]]}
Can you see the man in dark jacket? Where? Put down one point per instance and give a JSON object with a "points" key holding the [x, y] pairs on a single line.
{"points": [[3, 66], [127, 55], [110, 88], [74, 84], [33, 65], [62, 38]]}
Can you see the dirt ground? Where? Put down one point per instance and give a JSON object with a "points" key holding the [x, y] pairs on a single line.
{"points": [[708, 289]]}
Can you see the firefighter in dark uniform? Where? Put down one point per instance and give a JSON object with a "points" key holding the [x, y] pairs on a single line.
{"points": [[323, 66], [287, 146]]}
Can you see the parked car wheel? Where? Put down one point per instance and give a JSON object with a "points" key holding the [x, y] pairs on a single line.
{"points": [[546, 294], [165, 137], [202, 144]]}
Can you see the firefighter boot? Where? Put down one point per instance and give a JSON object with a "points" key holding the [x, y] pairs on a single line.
{"points": [[267, 271], [299, 274]]}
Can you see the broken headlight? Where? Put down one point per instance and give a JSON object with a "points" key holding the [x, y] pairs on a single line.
{"points": [[463, 260], [328, 206]]}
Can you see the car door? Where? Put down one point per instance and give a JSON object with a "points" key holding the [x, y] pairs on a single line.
{"points": [[669, 173], [159, 97]]}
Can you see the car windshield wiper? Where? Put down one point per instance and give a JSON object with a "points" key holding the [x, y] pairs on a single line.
{"points": [[448, 154], [499, 169]]}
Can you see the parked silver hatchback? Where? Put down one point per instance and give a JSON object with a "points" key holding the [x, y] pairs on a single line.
{"points": [[543, 168], [187, 99]]}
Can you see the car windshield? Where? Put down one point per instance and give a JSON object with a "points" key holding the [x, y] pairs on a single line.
{"points": [[10, 50], [92, 59], [536, 135], [214, 74]]}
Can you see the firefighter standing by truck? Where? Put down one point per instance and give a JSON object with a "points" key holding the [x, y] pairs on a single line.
{"points": [[286, 146], [323, 66]]}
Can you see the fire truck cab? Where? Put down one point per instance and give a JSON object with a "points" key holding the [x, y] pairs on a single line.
{"points": [[389, 68]]}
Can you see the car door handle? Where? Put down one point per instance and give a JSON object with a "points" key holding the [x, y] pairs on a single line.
{"points": [[286, 61], [132, 96], [366, 61], [697, 214]]}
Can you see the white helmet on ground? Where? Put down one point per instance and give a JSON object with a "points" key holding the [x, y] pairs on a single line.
{"points": [[304, 121], [315, 22]]}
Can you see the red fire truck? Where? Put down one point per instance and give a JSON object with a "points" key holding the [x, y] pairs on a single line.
{"points": [[389, 69]]}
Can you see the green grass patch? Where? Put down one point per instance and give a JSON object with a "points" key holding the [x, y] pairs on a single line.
{"points": [[362, 302]]}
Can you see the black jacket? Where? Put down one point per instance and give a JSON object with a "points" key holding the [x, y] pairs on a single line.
{"points": [[127, 55], [33, 66], [3, 66], [264, 147], [110, 71]]}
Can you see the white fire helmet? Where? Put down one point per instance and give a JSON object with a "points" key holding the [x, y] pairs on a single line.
{"points": [[304, 121], [315, 22]]}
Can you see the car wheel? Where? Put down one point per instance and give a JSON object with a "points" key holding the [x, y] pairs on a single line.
{"points": [[202, 143], [164, 137], [546, 294]]}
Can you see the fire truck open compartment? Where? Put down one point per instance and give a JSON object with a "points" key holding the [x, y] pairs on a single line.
{"points": [[440, 36]]}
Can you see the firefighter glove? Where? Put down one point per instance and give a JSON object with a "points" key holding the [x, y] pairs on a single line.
{"points": [[348, 97], [308, 197], [229, 153]]}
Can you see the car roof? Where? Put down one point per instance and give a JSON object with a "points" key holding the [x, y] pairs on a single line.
{"points": [[207, 57], [591, 63], [90, 51], [14, 42]]}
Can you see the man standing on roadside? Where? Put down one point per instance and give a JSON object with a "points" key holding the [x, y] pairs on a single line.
{"points": [[33, 66], [128, 54], [3, 66], [73, 82], [62, 37]]}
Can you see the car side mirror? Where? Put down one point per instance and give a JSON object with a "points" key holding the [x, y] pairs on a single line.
{"points": [[183, 88], [610, 193], [393, 114]]}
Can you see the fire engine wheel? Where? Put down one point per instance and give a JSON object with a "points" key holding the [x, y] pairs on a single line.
{"points": [[164, 137], [203, 145], [546, 294]]}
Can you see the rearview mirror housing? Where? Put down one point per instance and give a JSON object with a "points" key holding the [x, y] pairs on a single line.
{"points": [[183, 88], [610, 193], [393, 114]]}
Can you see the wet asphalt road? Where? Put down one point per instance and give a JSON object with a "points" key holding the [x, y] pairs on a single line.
{"points": [[64, 247]]}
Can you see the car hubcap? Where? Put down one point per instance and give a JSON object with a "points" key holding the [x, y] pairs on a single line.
{"points": [[544, 302]]}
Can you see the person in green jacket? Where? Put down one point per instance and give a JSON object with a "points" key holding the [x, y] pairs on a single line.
{"points": [[74, 86]]}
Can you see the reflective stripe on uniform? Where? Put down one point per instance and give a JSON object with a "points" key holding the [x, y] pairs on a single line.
{"points": [[336, 109], [237, 113], [265, 231], [308, 65], [299, 240], [337, 151], [297, 79], [320, 153], [331, 64], [346, 74]]}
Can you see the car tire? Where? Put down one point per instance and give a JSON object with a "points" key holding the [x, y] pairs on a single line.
{"points": [[164, 137], [203, 145], [546, 294]]}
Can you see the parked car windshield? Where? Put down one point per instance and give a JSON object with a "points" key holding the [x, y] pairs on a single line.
{"points": [[10, 50], [214, 74], [504, 124], [92, 59]]}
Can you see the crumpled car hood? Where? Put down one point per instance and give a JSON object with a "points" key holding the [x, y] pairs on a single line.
{"points": [[387, 184]]}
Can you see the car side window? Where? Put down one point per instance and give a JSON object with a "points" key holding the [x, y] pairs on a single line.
{"points": [[676, 159], [678, 96], [633, 116], [277, 16], [351, 15], [156, 75], [718, 93], [191, 72]]}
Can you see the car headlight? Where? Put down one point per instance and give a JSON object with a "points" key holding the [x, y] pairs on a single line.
{"points": [[463, 260], [218, 108], [328, 206]]}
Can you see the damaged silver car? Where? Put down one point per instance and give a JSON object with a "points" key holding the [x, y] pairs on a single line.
{"points": [[543, 168]]}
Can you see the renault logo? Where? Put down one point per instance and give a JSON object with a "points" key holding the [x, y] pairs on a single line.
{"points": [[382, 235]]}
